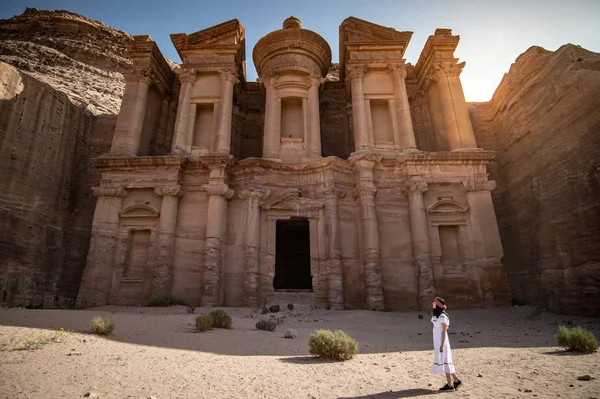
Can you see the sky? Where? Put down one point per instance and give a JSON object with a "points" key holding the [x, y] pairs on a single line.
{"points": [[493, 32]]}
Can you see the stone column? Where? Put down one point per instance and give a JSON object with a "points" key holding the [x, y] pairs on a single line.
{"points": [[406, 141], [251, 272], [359, 113], [334, 248], [456, 115], [163, 273], [222, 144], [181, 141], [414, 189], [128, 131], [216, 223], [484, 226], [314, 119], [97, 276], [271, 136], [366, 191]]}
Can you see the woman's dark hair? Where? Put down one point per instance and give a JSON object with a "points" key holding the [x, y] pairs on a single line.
{"points": [[438, 311]]}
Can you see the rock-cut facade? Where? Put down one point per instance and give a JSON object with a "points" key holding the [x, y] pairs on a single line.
{"points": [[363, 192]]}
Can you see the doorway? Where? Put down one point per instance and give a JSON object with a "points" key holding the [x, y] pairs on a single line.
{"points": [[292, 259]]}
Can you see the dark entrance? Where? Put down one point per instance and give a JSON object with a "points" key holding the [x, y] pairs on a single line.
{"points": [[292, 259]]}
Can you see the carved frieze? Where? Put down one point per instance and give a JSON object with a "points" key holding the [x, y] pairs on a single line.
{"points": [[379, 56], [479, 185], [109, 191]]}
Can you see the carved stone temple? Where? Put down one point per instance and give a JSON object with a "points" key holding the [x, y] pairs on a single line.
{"points": [[363, 192]]}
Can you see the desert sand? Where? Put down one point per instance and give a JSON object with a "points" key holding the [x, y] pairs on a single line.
{"points": [[155, 353]]}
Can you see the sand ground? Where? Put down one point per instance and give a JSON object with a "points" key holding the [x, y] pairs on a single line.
{"points": [[154, 352]]}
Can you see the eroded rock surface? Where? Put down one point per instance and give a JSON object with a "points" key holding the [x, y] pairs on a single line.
{"points": [[544, 123]]}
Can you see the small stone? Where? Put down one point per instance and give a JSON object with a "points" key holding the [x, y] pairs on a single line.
{"points": [[584, 378], [527, 390], [430, 384], [74, 354], [90, 395], [571, 385], [479, 375], [291, 334], [367, 345]]}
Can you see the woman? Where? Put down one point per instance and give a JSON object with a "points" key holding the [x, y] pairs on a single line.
{"points": [[442, 362]]}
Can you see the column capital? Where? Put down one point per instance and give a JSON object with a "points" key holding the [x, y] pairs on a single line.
{"points": [[315, 80], [398, 70], [479, 185], [109, 191], [187, 75], [443, 69], [366, 189], [257, 193], [144, 75], [414, 186], [331, 193], [228, 74], [269, 79], [220, 190], [355, 71], [173, 190]]}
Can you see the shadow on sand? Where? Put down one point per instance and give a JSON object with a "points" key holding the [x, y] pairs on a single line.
{"points": [[407, 393]]}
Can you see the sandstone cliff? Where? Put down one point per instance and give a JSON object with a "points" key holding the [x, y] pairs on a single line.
{"points": [[76, 55], [544, 123]]}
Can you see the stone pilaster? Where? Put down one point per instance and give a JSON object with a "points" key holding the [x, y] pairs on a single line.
{"points": [[216, 222], [456, 115], [163, 272], [222, 144], [182, 141], [355, 76], [251, 271], [484, 226], [366, 191], [414, 189], [335, 272], [313, 149], [406, 134], [97, 276], [271, 137], [128, 131]]}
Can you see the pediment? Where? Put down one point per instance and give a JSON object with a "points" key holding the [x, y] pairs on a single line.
{"points": [[140, 211], [230, 34], [354, 30], [293, 202], [447, 206]]}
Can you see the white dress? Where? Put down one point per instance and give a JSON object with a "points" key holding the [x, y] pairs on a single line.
{"points": [[442, 361]]}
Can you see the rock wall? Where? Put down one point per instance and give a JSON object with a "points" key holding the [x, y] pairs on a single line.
{"points": [[46, 206], [544, 123]]}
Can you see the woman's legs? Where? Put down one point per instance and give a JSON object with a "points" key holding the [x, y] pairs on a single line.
{"points": [[449, 379], [454, 377]]}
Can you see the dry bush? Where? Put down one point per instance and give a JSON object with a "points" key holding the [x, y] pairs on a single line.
{"points": [[165, 301], [577, 339], [101, 325], [274, 308], [221, 319], [335, 345], [204, 323], [267, 325]]}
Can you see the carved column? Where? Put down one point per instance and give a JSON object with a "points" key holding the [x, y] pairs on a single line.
{"points": [[334, 248], [251, 272], [181, 141], [314, 118], [271, 136], [405, 127], [370, 234], [216, 223], [484, 226], [97, 276], [419, 227], [222, 144], [163, 273], [128, 131], [456, 115], [359, 113]]}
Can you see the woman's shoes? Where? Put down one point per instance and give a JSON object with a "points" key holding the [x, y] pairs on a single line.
{"points": [[457, 384], [447, 388]]}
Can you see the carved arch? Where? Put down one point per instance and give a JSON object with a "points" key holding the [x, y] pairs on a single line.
{"points": [[140, 211], [446, 206]]}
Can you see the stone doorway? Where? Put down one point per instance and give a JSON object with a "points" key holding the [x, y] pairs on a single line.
{"points": [[292, 256]]}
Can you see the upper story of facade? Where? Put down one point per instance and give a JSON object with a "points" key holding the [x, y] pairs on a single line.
{"points": [[301, 108]]}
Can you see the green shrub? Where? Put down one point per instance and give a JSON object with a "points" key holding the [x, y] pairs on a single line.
{"points": [[204, 323], [274, 308], [335, 345], [165, 301], [101, 325], [221, 319], [577, 339], [267, 325]]}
